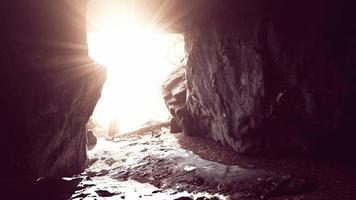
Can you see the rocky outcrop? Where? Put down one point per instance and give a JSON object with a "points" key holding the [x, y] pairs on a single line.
{"points": [[174, 91], [262, 77], [91, 140], [49, 88]]}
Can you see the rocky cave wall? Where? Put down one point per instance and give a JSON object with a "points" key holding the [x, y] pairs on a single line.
{"points": [[271, 76], [49, 88], [261, 75]]}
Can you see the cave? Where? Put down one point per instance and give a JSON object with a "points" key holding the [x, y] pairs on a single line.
{"points": [[261, 106]]}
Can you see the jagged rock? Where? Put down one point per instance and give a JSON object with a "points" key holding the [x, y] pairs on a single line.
{"points": [[262, 79], [91, 140], [174, 93], [104, 193], [49, 88], [183, 198], [174, 126]]}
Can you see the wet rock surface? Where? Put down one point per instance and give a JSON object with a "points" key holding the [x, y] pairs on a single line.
{"points": [[174, 166], [146, 167]]}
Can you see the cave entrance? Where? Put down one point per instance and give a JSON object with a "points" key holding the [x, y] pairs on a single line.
{"points": [[138, 58]]}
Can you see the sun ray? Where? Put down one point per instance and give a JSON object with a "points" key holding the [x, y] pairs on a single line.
{"points": [[138, 59]]}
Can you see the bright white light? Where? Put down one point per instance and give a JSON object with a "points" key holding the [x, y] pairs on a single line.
{"points": [[138, 60]]}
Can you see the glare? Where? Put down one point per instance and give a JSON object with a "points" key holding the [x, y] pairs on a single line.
{"points": [[138, 59]]}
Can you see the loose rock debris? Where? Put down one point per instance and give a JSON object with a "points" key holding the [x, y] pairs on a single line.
{"points": [[146, 167]]}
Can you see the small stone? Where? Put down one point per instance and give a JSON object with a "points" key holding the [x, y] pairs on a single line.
{"points": [[91, 140], [105, 193], [183, 198]]}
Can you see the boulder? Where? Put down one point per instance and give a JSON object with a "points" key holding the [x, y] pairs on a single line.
{"points": [[91, 140], [174, 126], [174, 94], [262, 78]]}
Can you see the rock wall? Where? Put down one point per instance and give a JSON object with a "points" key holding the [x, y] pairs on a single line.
{"points": [[273, 76], [174, 91], [49, 88]]}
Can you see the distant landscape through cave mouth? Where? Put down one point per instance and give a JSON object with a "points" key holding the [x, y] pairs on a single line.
{"points": [[138, 58]]}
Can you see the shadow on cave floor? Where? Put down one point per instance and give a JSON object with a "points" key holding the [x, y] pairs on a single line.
{"points": [[176, 166], [328, 179]]}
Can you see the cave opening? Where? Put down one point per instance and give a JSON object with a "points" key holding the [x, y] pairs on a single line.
{"points": [[138, 58], [262, 99]]}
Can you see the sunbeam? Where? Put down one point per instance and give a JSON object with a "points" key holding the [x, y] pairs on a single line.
{"points": [[138, 59]]}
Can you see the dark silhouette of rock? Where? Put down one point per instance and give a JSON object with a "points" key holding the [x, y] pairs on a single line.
{"points": [[264, 78], [174, 93], [174, 126], [49, 88], [91, 140], [261, 76], [183, 198], [104, 193]]}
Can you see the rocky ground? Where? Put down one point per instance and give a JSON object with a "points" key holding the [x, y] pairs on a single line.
{"points": [[179, 167], [166, 166], [325, 178]]}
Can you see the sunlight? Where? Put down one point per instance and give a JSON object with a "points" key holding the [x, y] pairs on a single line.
{"points": [[138, 59]]}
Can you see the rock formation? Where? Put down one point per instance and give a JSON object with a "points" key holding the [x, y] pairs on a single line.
{"points": [[174, 92], [49, 88], [91, 140], [261, 76], [272, 76]]}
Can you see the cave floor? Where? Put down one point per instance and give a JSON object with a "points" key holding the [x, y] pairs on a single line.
{"points": [[175, 166]]}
